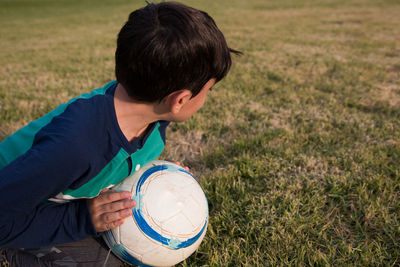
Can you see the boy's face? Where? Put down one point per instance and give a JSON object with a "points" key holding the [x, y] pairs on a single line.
{"points": [[195, 103]]}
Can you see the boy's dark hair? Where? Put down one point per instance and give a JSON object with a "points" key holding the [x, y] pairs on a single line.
{"points": [[167, 47]]}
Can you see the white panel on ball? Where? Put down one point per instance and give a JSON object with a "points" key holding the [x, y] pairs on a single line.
{"points": [[163, 257]]}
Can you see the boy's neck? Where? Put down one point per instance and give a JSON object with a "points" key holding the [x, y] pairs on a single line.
{"points": [[133, 116]]}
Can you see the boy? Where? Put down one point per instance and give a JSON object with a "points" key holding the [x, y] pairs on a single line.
{"points": [[56, 171]]}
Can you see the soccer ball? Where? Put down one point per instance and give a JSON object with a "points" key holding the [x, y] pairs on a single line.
{"points": [[170, 218]]}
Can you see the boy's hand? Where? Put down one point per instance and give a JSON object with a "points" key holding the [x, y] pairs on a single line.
{"points": [[178, 163], [109, 209]]}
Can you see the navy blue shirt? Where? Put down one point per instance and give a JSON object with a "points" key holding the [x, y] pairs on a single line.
{"points": [[49, 169]]}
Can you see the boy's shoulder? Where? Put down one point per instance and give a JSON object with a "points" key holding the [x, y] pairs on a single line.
{"points": [[80, 116], [78, 122]]}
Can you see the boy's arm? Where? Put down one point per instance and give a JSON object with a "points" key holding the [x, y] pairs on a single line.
{"points": [[26, 219], [49, 223], [51, 165]]}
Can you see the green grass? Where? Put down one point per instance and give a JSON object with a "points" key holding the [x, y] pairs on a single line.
{"points": [[297, 149]]}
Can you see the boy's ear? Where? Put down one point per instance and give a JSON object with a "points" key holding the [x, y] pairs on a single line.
{"points": [[176, 100]]}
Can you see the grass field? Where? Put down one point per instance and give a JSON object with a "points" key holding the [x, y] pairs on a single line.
{"points": [[298, 149]]}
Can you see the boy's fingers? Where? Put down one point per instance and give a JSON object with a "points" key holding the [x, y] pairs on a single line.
{"points": [[111, 218], [114, 224], [112, 196], [178, 163], [118, 205], [111, 225]]}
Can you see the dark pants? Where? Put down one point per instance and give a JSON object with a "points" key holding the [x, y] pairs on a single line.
{"points": [[90, 252]]}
